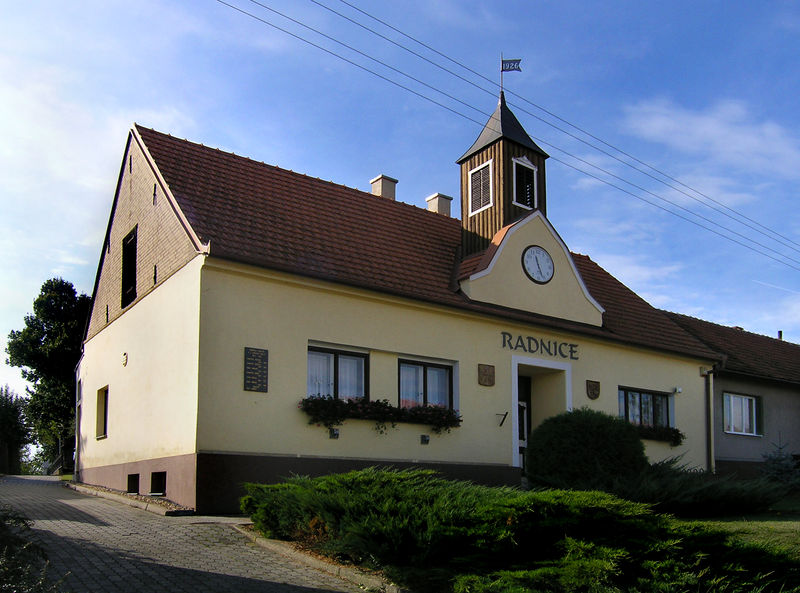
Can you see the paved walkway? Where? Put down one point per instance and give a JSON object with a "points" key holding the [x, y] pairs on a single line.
{"points": [[109, 547]]}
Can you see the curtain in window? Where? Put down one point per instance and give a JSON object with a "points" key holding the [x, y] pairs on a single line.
{"points": [[320, 373], [740, 414], [411, 385], [351, 377], [438, 387]]}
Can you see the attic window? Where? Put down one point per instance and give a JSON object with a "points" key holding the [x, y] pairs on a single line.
{"points": [[129, 268], [525, 184], [480, 188]]}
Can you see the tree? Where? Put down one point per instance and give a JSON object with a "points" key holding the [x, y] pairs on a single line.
{"points": [[14, 432], [48, 350]]}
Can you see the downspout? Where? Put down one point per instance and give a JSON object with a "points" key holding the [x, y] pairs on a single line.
{"points": [[708, 375]]}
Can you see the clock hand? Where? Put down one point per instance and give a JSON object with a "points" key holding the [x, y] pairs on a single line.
{"points": [[538, 266]]}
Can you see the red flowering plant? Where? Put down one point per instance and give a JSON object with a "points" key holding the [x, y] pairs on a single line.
{"points": [[328, 411]]}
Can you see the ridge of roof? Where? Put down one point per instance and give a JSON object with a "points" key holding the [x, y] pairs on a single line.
{"points": [[501, 124], [262, 215], [746, 352]]}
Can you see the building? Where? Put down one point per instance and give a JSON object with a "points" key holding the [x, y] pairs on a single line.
{"points": [[756, 395], [228, 290]]}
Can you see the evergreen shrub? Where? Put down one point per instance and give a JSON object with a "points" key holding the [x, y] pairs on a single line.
{"points": [[584, 450], [431, 534]]}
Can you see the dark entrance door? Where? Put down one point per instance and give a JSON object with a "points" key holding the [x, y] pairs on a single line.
{"points": [[523, 415]]}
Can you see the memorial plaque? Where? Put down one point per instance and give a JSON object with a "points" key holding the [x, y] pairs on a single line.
{"points": [[256, 366]]}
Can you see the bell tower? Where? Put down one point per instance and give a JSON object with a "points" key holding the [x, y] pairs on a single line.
{"points": [[502, 179]]}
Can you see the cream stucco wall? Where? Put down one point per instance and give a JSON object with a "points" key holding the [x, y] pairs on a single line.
{"points": [[244, 307], [148, 359], [505, 283]]}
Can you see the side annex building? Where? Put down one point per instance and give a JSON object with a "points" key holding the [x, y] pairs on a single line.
{"points": [[229, 290]]}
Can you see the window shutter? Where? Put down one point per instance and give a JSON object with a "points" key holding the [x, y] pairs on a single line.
{"points": [[480, 189]]}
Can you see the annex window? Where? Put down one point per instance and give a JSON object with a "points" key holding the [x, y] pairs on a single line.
{"points": [[644, 408], [480, 188], [425, 384], [335, 373], [129, 268], [525, 184], [740, 414], [102, 413]]}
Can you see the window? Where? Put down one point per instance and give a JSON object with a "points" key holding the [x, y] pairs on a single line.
{"points": [[425, 384], [158, 484], [740, 414], [338, 374], [102, 413], [480, 188], [129, 268], [644, 408], [525, 184]]}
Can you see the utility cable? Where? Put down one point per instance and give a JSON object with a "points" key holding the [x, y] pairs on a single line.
{"points": [[439, 104], [721, 209]]}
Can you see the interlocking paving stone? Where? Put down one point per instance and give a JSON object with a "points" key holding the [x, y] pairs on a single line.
{"points": [[104, 546]]}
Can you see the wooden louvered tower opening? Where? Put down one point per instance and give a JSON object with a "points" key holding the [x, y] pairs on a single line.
{"points": [[502, 179]]}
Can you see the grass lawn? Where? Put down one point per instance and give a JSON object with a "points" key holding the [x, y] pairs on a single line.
{"points": [[780, 526]]}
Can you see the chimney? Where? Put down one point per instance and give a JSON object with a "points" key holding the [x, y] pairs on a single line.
{"points": [[780, 334], [439, 203], [383, 186]]}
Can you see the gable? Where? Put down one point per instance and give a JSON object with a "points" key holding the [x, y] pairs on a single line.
{"points": [[147, 239], [528, 267]]}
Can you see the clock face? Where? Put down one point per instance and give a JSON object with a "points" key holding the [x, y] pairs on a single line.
{"points": [[538, 264]]}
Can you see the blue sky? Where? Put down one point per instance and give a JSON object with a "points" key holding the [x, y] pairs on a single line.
{"points": [[705, 92]]}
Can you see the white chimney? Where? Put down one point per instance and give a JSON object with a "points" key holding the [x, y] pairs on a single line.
{"points": [[384, 186], [439, 203]]}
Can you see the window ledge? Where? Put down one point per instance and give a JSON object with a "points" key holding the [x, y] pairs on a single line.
{"points": [[743, 434], [101, 437]]}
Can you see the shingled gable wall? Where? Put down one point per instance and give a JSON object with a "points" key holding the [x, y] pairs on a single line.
{"points": [[161, 239]]}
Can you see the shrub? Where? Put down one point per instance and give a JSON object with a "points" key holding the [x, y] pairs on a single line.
{"points": [[781, 467], [436, 535], [674, 488], [585, 450], [23, 567]]}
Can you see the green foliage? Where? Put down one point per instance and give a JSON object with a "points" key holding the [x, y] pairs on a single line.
{"points": [[431, 534], [781, 467], [22, 563], [667, 434], [674, 488], [329, 412], [584, 450], [14, 432], [47, 349]]}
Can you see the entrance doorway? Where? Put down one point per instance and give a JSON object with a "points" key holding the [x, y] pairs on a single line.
{"points": [[541, 389]]}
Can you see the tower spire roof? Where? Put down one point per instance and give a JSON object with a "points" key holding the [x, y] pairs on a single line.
{"points": [[502, 124]]}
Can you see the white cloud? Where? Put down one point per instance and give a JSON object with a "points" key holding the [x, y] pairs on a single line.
{"points": [[725, 134]]}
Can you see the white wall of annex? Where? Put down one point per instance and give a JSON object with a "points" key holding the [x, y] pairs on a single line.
{"points": [[148, 359]]}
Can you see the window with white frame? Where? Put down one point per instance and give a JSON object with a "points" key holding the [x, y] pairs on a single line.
{"points": [[644, 408], [480, 188], [425, 384], [525, 184], [336, 373], [740, 414]]}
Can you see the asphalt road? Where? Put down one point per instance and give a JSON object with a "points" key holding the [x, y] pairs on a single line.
{"points": [[104, 546]]}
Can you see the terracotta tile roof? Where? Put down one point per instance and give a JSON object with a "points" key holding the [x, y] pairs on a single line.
{"points": [[258, 214], [745, 352]]}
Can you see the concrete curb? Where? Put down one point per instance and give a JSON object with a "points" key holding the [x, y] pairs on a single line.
{"points": [[358, 577], [150, 507]]}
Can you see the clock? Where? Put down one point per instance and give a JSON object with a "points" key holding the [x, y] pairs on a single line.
{"points": [[538, 264]]}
